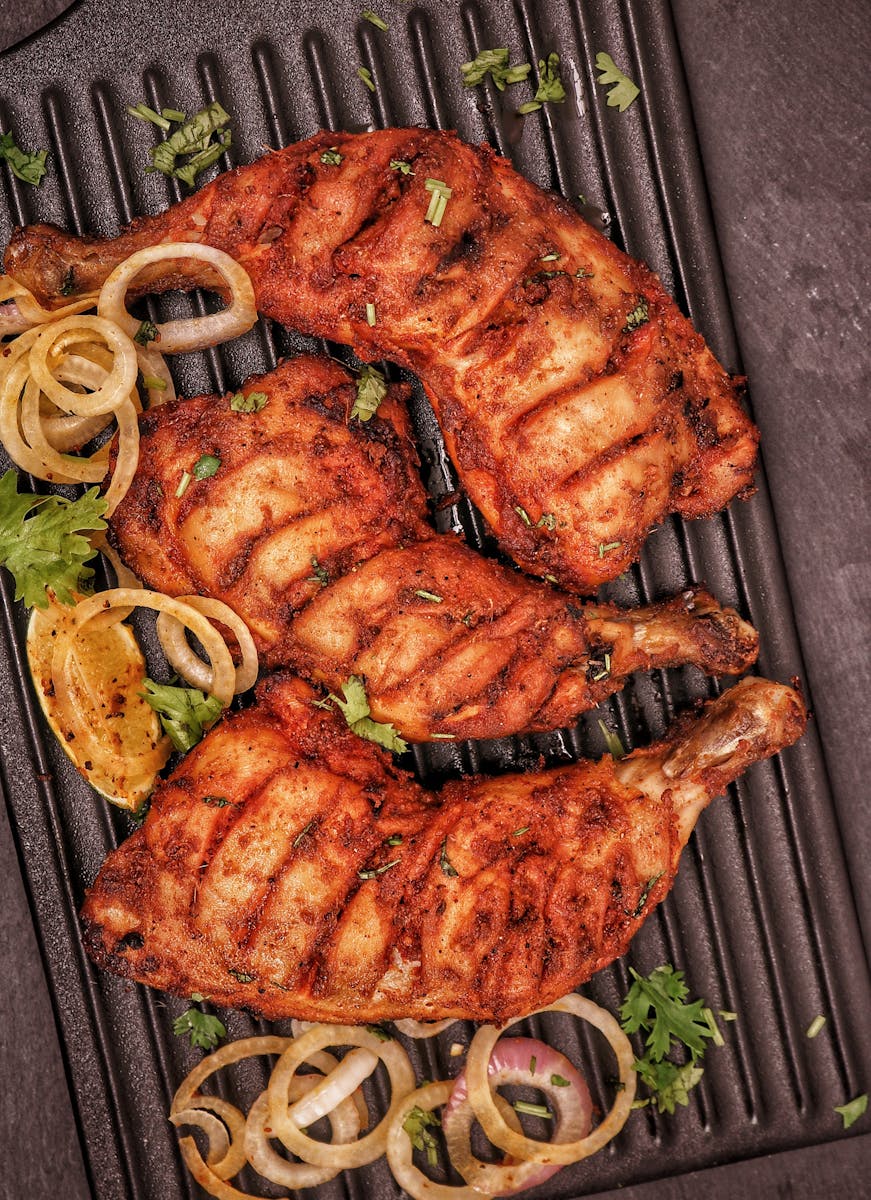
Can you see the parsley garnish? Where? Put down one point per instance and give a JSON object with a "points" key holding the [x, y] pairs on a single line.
{"points": [[657, 1006], [366, 75], [624, 91], [374, 19], [639, 909], [523, 514], [371, 390], [494, 63], [204, 1031], [355, 709], [445, 863], [852, 1110], [331, 157], [320, 575], [47, 550], [374, 872], [612, 741], [29, 168], [217, 801], [147, 332], [533, 1110], [254, 402], [417, 1125], [192, 140], [242, 976], [559, 1081], [206, 466], [550, 87], [143, 113], [399, 164], [546, 521], [69, 284], [185, 713], [639, 316]]}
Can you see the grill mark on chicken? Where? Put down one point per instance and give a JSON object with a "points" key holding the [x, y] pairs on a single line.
{"points": [[300, 485], [468, 306], [282, 923]]}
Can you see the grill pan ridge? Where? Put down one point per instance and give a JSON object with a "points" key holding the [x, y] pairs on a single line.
{"points": [[751, 916]]}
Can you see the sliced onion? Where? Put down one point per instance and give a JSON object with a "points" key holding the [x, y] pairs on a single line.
{"points": [[482, 1099], [344, 1124], [511, 1063], [423, 1029], [30, 312], [99, 607], [367, 1148], [187, 662], [214, 1129], [194, 333], [399, 1148], [55, 339], [330, 1091]]}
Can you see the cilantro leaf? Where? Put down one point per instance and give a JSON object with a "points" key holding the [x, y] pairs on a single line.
{"points": [[193, 140], [494, 63], [47, 550], [355, 709], [550, 86], [206, 466], [185, 713], [669, 1082], [373, 19], [852, 1110], [417, 1125], [657, 1006], [639, 316], [204, 1031], [371, 390], [254, 402], [623, 92], [29, 168]]}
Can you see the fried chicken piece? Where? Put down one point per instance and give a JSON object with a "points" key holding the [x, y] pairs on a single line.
{"points": [[577, 402], [292, 869], [312, 529]]}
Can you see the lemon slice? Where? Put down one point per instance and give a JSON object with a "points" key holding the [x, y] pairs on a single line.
{"points": [[88, 682]]}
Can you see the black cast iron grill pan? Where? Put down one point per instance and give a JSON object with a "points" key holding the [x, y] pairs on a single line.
{"points": [[750, 919]]}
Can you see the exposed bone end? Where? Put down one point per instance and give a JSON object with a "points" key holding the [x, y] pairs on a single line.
{"points": [[750, 721]]}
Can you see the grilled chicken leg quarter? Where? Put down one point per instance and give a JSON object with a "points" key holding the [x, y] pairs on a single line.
{"points": [[578, 404], [292, 869], [313, 529]]}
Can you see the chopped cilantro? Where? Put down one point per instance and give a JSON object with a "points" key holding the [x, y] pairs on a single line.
{"points": [[445, 863], [147, 332], [366, 75], [424, 595], [193, 141], [217, 801], [306, 829], [395, 839], [331, 157], [29, 168], [852, 1110], [47, 550], [204, 1031], [206, 466], [399, 164], [495, 64], [559, 1081], [612, 741], [374, 19], [185, 713], [417, 1125], [371, 390], [519, 832], [242, 976], [623, 92], [533, 1110], [320, 575], [604, 547], [355, 709], [254, 402], [374, 872], [550, 86], [639, 316], [183, 484], [69, 284]]}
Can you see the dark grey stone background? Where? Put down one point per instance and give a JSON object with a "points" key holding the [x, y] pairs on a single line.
{"points": [[781, 104]]}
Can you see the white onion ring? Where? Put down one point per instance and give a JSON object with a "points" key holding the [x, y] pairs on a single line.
{"points": [[100, 606], [520, 1146], [194, 333], [187, 662], [367, 1148], [334, 1088], [399, 1148], [52, 341], [30, 312], [345, 1126], [214, 1129]]}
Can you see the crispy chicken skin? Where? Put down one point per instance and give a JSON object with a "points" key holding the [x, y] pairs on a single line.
{"points": [[291, 869], [577, 402], [313, 531]]}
